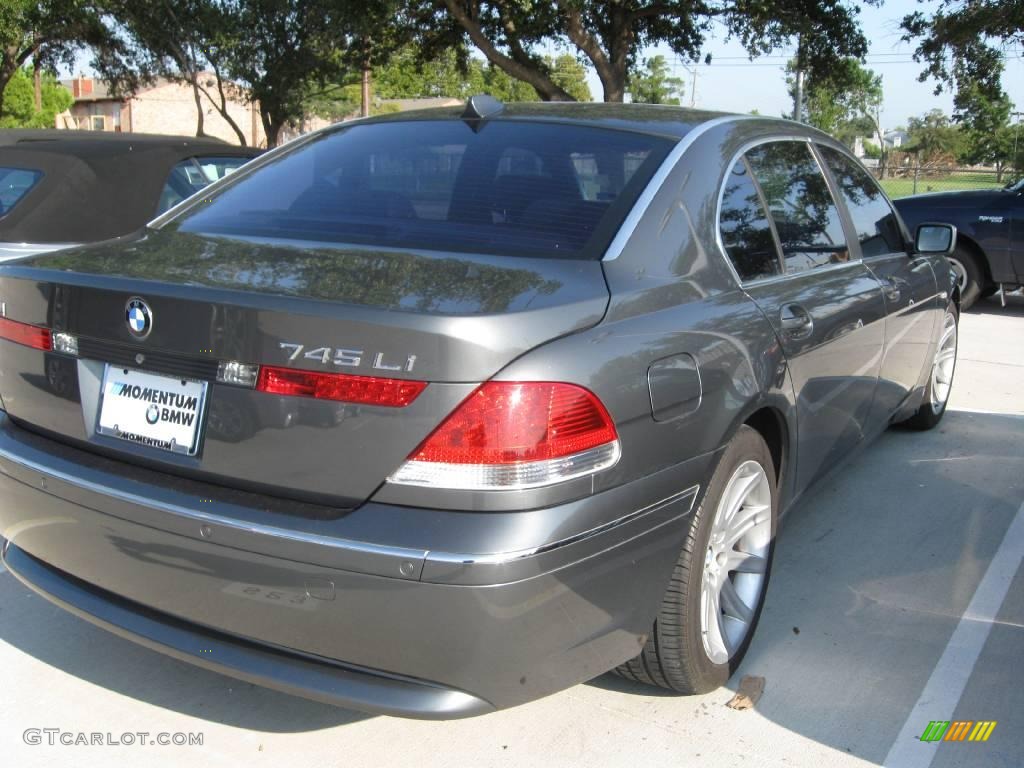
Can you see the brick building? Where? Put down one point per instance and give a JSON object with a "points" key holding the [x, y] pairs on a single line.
{"points": [[165, 107]]}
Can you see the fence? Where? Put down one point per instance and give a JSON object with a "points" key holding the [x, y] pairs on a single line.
{"points": [[904, 181]]}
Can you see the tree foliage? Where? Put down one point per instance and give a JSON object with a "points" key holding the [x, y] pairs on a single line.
{"points": [[452, 74], [46, 32], [963, 42], [654, 83], [610, 33], [20, 101], [934, 139]]}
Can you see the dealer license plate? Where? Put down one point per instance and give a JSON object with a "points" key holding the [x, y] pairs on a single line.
{"points": [[155, 411]]}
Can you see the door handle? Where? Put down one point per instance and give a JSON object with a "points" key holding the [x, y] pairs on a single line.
{"points": [[891, 289], [796, 321]]}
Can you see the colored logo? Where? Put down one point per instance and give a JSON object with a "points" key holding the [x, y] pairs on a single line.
{"points": [[139, 317], [152, 414], [958, 730]]}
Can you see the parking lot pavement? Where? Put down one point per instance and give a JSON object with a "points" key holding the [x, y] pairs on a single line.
{"points": [[874, 572]]}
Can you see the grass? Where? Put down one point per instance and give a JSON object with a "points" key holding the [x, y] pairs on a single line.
{"points": [[947, 182]]}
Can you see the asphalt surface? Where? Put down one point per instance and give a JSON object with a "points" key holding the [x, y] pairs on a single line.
{"points": [[897, 598]]}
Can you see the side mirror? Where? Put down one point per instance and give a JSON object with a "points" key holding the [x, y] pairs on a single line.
{"points": [[937, 239]]}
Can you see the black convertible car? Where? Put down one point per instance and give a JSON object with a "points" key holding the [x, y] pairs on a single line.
{"points": [[61, 188], [990, 243]]}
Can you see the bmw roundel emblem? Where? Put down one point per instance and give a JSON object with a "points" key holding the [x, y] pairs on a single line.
{"points": [[139, 317], [152, 414]]}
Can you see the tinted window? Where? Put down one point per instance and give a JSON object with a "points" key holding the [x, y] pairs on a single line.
{"points": [[806, 218], [518, 189], [191, 175], [877, 227], [14, 185], [746, 234]]}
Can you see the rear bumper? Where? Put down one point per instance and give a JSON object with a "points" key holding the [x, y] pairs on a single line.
{"points": [[313, 608]]}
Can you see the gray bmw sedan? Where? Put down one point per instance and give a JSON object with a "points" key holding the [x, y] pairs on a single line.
{"points": [[440, 412]]}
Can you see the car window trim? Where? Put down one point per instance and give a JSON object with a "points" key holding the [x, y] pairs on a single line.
{"points": [[741, 152], [657, 181]]}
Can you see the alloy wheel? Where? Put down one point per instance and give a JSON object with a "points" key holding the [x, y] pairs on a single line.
{"points": [[944, 364], [736, 562]]}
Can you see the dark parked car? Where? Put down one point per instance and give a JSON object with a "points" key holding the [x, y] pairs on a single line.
{"points": [[61, 188], [562, 369], [990, 241]]}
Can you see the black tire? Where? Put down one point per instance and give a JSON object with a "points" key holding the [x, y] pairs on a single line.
{"points": [[975, 276], [674, 655], [927, 415]]}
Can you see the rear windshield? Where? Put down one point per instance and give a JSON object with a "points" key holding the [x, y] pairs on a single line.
{"points": [[508, 188], [14, 185]]}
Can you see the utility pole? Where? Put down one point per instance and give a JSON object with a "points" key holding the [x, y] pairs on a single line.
{"points": [[798, 101], [798, 95], [693, 81], [1016, 135]]}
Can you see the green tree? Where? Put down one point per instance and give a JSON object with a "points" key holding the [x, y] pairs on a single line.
{"points": [[569, 75], [610, 33], [453, 74], [20, 103], [844, 100], [963, 42], [285, 52], [46, 32], [934, 139], [985, 123], [174, 39], [653, 83]]}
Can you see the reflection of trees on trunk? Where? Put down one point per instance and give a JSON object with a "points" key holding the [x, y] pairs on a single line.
{"points": [[388, 280]]}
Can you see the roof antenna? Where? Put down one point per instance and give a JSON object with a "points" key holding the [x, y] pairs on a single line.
{"points": [[479, 108]]}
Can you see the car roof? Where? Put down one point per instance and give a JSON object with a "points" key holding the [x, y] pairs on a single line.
{"points": [[655, 119], [94, 187]]}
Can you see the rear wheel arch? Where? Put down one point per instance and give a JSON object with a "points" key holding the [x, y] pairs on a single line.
{"points": [[771, 425]]}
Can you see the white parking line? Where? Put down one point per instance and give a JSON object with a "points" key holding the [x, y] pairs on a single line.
{"points": [[946, 685]]}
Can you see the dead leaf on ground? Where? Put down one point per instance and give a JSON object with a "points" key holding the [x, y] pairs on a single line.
{"points": [[750, 690]]}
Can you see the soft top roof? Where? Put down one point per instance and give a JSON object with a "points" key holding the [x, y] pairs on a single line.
{"points": [[94, 186]]}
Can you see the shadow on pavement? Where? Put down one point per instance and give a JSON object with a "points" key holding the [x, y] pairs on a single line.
{"points": [[873, 570], [991, 306]]}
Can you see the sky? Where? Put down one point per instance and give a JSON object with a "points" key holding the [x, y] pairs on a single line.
{"points": [[732, 83]]}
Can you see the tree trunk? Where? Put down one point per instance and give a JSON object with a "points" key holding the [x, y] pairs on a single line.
{"points": [[364, 106], [545, 87], [37, 84], [271, 127], [200, 117], [222, 105]]}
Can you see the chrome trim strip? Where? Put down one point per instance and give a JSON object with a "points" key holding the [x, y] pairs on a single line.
{"points": [[503, 558], [335, 543], [206, 518], [668, 165]]}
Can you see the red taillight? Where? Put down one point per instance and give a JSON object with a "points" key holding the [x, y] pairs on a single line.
{"points": [[366, 390], [516, 435], [23, 333]]}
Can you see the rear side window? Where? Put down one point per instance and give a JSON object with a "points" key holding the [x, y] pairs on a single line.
{"points": [[191, 175], [746, 233], [877, 227], [15, 183], [507, 188], [801, 205]]}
